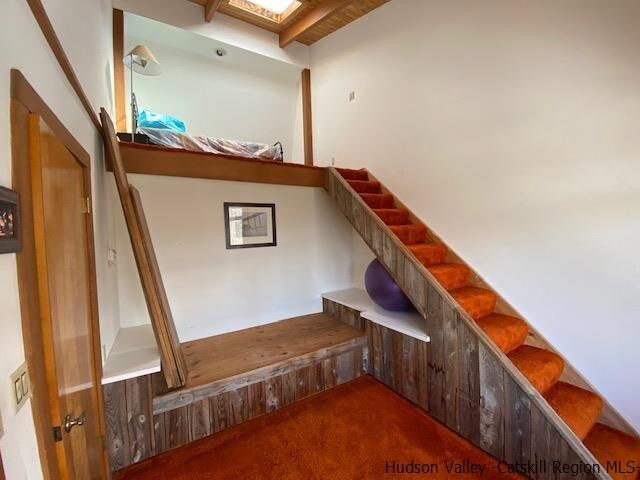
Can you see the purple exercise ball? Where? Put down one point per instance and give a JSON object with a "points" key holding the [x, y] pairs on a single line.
{"points": [[384, 290]]}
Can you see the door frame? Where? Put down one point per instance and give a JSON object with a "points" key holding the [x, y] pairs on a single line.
{"points": [[26, 101]]}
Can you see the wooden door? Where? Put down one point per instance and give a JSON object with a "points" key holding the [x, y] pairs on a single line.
{"points": [[67, 300]]}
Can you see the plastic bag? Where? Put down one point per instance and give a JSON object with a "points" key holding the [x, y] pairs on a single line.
{"points": [[184, 141], [149, 119]]}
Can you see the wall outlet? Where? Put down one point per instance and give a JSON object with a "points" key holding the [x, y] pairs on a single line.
{"points": [[20, 386], [352, 96]]}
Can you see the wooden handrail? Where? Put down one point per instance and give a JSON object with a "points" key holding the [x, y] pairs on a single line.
{"points": [[480, 390]]}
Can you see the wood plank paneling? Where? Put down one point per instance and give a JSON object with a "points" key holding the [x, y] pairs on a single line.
{"points": [[400, 362], [492, 398], [134, 433], [347, 315], [115, 406]]}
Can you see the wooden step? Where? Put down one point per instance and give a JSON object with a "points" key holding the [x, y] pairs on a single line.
{"points": [[477, 302], [393, 216], [451, 275], [507, 332], [409, 234], [429, 253], [610, 446], [541, 367], [365, 186], [579, 408], [350, 174], [378, 200]]}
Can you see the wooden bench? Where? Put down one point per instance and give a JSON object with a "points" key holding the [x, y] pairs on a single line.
{"points": [[232, 378]]}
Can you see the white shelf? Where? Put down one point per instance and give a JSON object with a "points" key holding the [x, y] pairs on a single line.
{"points": [[407, 323], [134, 354], [355, 298]]}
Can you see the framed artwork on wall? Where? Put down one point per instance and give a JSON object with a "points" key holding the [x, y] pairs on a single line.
{"points": [[9, 221], [249, 225]]}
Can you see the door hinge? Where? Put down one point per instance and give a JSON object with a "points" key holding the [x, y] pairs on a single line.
{"points": [[57, 434], [86, 205]]}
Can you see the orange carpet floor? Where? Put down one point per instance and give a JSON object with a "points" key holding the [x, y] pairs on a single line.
{"points": [[355, 431]]}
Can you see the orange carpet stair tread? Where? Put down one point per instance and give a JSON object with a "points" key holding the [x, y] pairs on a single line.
{"points": [[450, 275], [409, 234], [507, 332], [378, 200], [579, 408], [393, 216], [365, 186], [477, 302], [429, 254], [610, 445], [541, 367]]}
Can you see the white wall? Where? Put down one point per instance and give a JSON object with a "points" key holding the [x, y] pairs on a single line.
{"points": [[190, 16], [213, 290], [22, 46], [511, 128], [241, 96]]}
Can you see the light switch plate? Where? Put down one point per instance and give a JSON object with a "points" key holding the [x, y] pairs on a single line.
{"points": [[20, 386]]}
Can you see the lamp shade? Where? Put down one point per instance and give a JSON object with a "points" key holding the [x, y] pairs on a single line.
{"points": [[142, 60]]}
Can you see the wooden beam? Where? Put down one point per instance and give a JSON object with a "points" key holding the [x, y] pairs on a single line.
{"points": [[118, 70], [151, 160], [52, 39], [210, 9], [310, 20], [306, 117]]}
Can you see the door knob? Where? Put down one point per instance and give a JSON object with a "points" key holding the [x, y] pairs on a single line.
{"points": [[70, 422]]}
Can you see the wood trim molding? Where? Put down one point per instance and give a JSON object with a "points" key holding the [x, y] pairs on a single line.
{"points": [[24, 102], [307, 125], [151, 160], [310, 20], [23, 92], [118, 70], [210, 9], [50, 35]]}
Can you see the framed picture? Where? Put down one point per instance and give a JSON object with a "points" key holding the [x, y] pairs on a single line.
{"points": [[249, 225], [9, 221]]}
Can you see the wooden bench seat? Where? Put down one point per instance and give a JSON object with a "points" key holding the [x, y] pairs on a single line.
{"points": [[231, 361]]}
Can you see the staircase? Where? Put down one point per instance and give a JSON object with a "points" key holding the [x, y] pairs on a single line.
{"points": [[577, 407]]}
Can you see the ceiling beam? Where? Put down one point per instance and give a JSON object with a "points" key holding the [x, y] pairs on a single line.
{"points": [[210, 9], [310, 20]]}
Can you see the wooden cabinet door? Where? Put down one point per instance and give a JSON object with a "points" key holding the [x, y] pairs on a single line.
{"points": [[67, 297]]}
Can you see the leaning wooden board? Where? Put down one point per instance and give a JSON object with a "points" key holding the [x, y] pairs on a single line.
{"points": [[173, 363]]}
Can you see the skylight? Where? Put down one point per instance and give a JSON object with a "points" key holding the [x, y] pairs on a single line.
{"points": [[274, 10], [276, 6]]}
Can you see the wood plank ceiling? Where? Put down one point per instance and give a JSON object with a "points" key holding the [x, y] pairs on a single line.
{"points": [[310, 22]]}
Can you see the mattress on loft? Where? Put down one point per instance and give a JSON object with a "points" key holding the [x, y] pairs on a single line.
{"points": [[184, 141]]}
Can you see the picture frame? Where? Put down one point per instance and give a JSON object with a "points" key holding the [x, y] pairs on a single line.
{"points": [[250, 225], [10, 241]]}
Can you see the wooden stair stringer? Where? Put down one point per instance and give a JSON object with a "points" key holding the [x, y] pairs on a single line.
{"points": [[609, 415], [493, 401]]}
